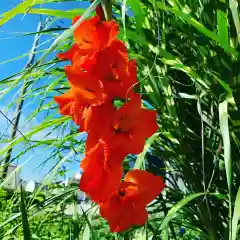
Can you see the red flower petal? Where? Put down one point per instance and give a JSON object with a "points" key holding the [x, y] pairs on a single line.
{"points": [[102, 173], [126, 207]]}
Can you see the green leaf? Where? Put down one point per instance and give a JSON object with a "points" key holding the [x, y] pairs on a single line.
{"points": [[21, 8], [173, 211], [223, 121], [140, 159], [89, 233], [134, 36], [236, 216], [25, 223], [138, 13], [233, 4], [222, 21], [57, 13]]}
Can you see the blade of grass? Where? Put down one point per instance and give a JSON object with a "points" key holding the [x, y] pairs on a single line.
{"points": [[138, 13], [140, 159], [236, 216], [20, 8], [25, 223], [233, 4], [88, 231], [57, 13], [223, 120], [222, 22]]}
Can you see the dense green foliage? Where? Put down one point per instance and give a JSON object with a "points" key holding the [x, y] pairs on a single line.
{"points": [[188, 65]]}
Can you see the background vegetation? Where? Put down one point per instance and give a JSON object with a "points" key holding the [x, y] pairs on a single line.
{"points": [[188, 65]]}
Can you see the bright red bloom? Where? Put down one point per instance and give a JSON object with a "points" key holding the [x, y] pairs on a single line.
{"points": [[125, 128], [126, 207], [75, 55], [111, 65], [86, 88], [93, 34], [69, 106], [86, 91], [102, 172], [132, 124], [90, 36], [70, 53], [97, 123]]}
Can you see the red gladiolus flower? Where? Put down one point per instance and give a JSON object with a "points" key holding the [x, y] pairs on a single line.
{"points": [[86, 91], [85, 87], [101, 115], [69, 106], [102, 172], [111, 65], [90, 36], [126, 207], [75, 55], [132, 125], [70, 53], [125, 128], [99, 124], [93, 34], [131, 80]]}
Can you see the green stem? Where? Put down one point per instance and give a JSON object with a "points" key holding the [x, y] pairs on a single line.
{"points": [[107, 9]]}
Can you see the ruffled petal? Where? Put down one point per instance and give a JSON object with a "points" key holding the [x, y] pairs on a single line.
{"points": [[149, 185]]}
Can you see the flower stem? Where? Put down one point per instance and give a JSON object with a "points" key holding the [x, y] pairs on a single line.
{"points": [[107, 9]]}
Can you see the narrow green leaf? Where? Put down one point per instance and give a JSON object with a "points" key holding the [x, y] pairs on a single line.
{"points": [[222, 22], [25, 223], [88, 231], [234, 9], [173, 211], [123, 10], [169, 99], [138, 13], [132, 35], [140, 159], [57, 13], [20, 8], [223, 120], [236, 216]]}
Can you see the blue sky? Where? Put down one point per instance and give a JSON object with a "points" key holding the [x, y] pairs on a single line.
{"points": [[12, 44]]}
